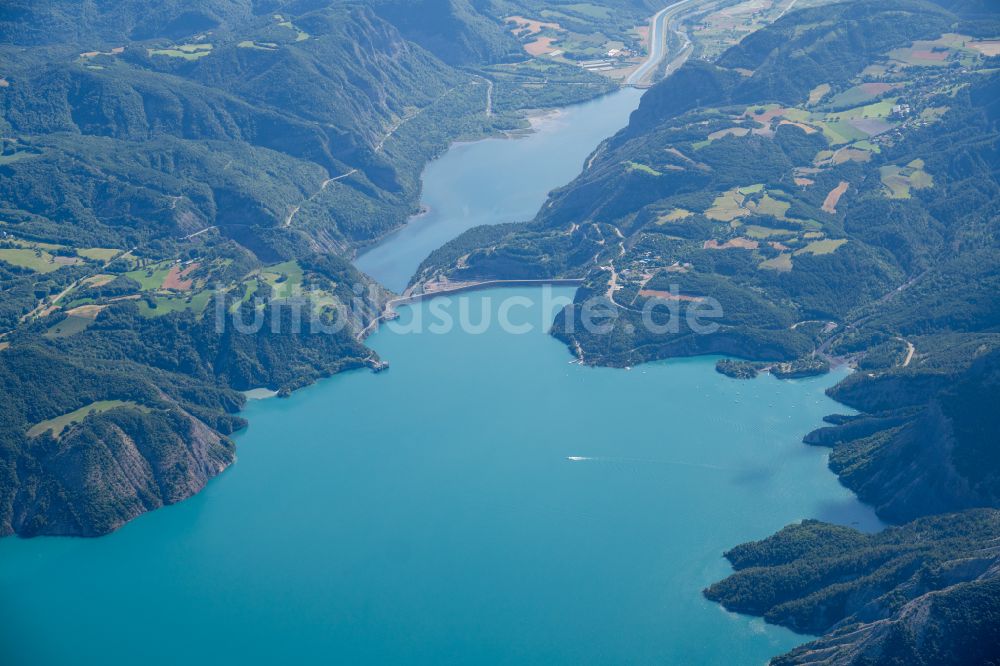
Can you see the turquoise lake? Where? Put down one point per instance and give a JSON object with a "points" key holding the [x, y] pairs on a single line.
{"points": [[486, 501], [431, 514]]}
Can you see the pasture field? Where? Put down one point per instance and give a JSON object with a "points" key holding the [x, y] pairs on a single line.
{"points": [[719, 134], [859, 151], [530, 26], [833, 197], [839, 133], [733, 243], [251, 287], [781, 263], [285, 278], [300, 35], [99, 280], [932, 113], [10, 158], [817, 94], [59, 424], [860, 94], [185, 51], [77, 319], [36, 259], [899, 181], [768, 205], [644, 168], [934, 53], [808, 129], [758, 232], [151, 277], [101, 254], [726, 26], [751, 199], [167, 304], [727, 207], [675, 215], [260, 46], [825, 246], [589, 10], [988, 47], [178, 279]]}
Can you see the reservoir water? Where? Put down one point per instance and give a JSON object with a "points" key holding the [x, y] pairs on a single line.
{"points": [[432, 514], [496, 180], [483, 502]]}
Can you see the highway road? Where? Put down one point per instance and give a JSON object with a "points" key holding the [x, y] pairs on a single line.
{"points": [[657, 43]]}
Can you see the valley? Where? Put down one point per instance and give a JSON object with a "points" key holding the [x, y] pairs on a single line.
{"points": [[202, 204]]}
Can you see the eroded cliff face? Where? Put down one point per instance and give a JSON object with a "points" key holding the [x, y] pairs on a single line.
{"points": [[112, 468], [926, 444], [937, 628], [923, 593], [907, 471]]}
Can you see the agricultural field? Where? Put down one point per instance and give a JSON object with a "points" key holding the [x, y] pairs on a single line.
{"points": [[675, 215], [987, 47], [750, 200], [185, 51], [846, 121], [833, 198], [859, 151], [11, 150], [817, 94], [728, 207], [587, 9], [300, 35], [727, 26], [250, 288], [178, 278], [768, 205], [849, 125], [151, 278], [758, 232], [259, 46], [285, 278], [98, 280], [719, 134], [77, 319], [159, 305], [732, 243], [825, 246], [782, 263], [36, 260], [936, 53], [860, 94], [755, 201], [899, 181], [643, 168], [59, 424], [49, 257], [101, 254], [583, 34]]}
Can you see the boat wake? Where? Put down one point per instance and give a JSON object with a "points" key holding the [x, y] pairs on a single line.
{"points": [[650, 461]]}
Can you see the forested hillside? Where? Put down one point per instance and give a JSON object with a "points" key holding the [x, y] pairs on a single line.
{"points": [[832, 183]]}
